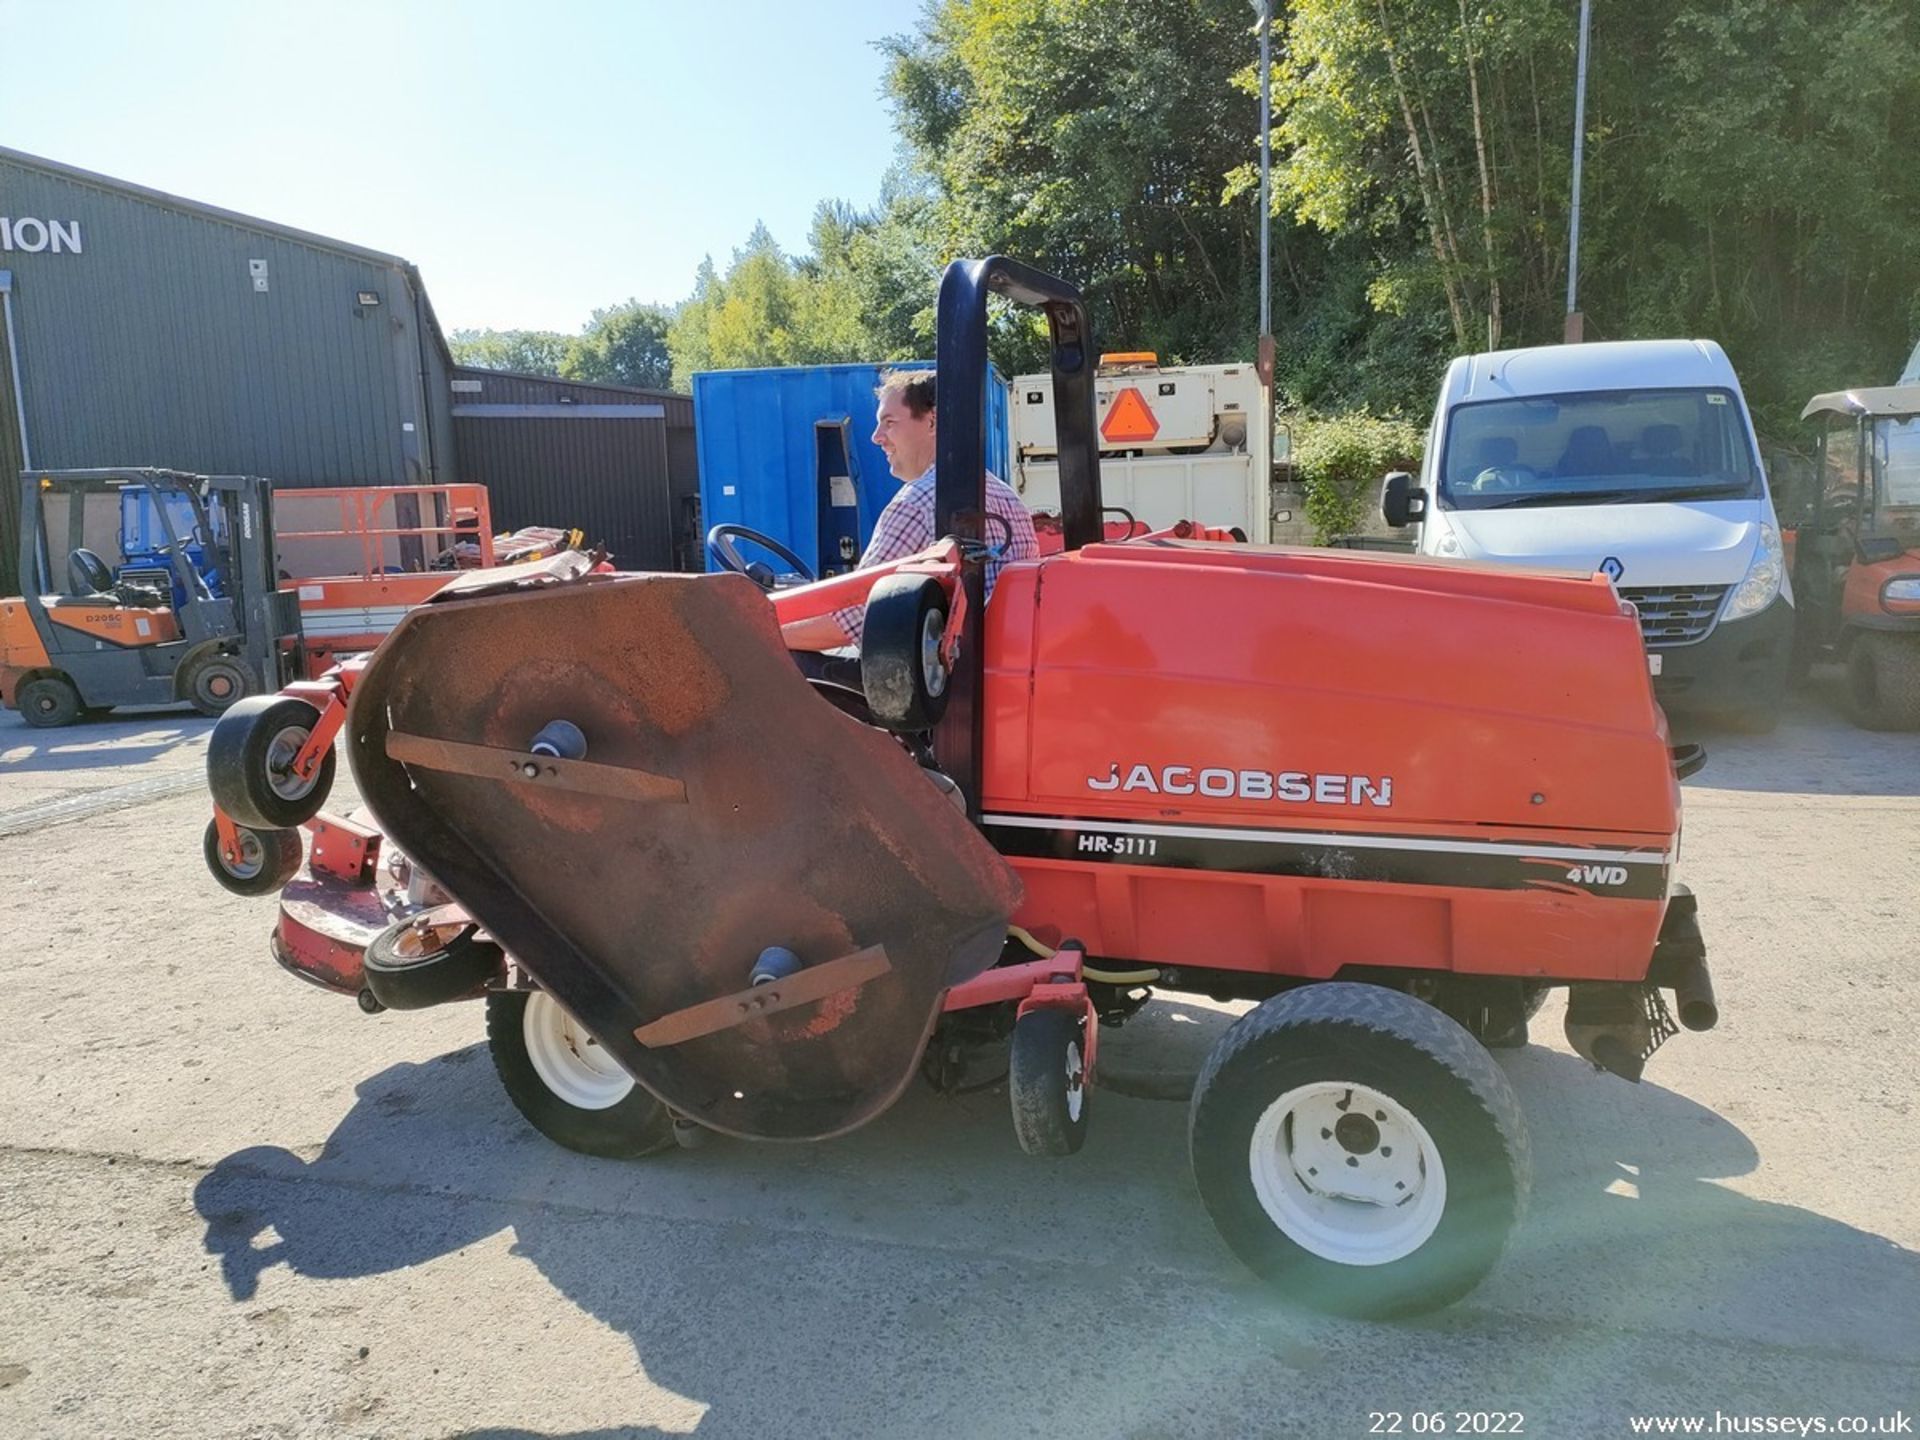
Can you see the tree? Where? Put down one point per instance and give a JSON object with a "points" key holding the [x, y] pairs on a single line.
{"points": [[1740, 181], [1091, 136], [525, 352], [623, 345]]}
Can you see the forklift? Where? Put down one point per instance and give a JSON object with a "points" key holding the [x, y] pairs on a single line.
{"points": [[1856, 551], [150, 630]]}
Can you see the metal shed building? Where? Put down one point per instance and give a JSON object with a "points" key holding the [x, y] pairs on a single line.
{"points": [[614, 460], [144, 329]]}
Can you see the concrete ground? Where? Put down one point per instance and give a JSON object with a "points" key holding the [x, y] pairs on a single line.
{"points": [[231, 1205]]}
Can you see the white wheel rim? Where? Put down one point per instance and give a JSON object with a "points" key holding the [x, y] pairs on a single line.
{"points": [[932, 626], [569, 1061], [1347, 1173], [282, 751], [1076, 1082], [251, 856]]}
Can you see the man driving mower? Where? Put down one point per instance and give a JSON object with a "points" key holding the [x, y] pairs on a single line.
{"points": [[904, 430]]}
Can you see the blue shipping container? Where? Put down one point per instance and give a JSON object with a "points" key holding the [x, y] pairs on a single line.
{"points": [[759, 453]]}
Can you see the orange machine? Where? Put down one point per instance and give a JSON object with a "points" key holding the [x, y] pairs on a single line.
{"points": [[708, 885], [1855, 555], [360, 557], [89, 635]]}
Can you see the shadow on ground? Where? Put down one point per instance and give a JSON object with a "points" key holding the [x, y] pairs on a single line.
{"points": [[94, 743], [926, 1244], [1815, 751]]}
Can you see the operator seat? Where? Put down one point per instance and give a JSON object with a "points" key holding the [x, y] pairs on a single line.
{"points": [[89, 581], [1588, 452], [1661, 444], [88, 576]]}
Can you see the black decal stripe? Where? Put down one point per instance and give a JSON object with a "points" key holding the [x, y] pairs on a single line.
{"points": [[1323, 857]]}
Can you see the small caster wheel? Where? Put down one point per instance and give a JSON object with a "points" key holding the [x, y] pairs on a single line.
{"points": [[900, 667], [250, 763], [410, 966], [1047, 1083], [264, 861]]}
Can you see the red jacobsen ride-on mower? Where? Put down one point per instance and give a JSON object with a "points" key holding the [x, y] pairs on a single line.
{"points": [[706, 884]]}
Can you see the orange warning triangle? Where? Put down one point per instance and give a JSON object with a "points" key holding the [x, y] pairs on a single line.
{"points": [[1130, 419]]}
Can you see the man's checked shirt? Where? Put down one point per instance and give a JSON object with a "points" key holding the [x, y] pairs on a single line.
{"points": [[906, 527]]}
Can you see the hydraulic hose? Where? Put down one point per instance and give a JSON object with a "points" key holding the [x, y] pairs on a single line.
{"points": [[1090, 972]]}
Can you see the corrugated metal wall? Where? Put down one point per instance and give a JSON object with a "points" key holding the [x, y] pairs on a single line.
{"points": [[634, 477], [11, 462], [153, 346]]}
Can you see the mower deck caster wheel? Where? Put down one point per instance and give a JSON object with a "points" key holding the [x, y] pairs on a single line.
{"points": [[410, 966], [1359, 1150], [267, 859], [1047, 1083], [250, 762], [568, 1087], [900, 666]]}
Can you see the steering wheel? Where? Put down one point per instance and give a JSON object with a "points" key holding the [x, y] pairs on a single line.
{"points": [[1503, 477], [201, 589], [720, 546]]}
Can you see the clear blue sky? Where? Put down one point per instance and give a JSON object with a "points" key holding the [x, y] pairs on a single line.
{"points": [[534, 159]]}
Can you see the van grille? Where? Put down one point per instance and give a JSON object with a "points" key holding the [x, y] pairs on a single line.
{"points": [[1675, 614]]}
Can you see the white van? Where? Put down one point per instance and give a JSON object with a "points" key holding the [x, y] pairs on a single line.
{"points": [[1633, 458]]}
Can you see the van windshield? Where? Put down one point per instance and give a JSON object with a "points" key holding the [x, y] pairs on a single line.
{"points": [[1600, 448]]}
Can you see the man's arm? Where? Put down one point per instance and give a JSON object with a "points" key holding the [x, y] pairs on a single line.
{"points": [[816, 632], [905, 527]]}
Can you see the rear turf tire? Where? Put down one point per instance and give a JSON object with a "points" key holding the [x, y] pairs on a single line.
{"points": [[1359, 1151]]}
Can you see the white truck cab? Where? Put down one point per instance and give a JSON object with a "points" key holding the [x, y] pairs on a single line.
{"points": [[1633, 458]]}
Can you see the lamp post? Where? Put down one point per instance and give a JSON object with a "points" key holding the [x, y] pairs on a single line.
{"points": [[1576, 322], [1264, 10]]}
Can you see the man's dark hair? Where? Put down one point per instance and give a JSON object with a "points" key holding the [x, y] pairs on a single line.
{"points": [[915, 387]]}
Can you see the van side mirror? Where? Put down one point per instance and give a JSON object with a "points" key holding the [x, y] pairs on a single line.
{"points": [[1401, 501]]}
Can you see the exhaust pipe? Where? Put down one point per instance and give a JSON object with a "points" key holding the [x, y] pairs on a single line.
{"points": [[1693, 993]]}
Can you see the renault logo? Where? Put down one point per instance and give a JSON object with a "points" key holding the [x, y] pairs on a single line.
{"points": [[1612, 568]]}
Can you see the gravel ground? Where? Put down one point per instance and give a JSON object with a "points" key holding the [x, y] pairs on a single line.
{"points": [[231, 1205]]}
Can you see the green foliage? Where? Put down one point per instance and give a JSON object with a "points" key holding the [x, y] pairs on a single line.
{"points": [[865, 292], [526, 352], [623, 345], [1090, 136], [1744, 181], [1341, 460]]}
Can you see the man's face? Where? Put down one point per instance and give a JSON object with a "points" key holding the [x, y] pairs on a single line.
{"points": [[905, 439]]}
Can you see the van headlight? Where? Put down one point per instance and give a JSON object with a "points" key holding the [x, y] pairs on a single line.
{"points": [[1762, 583]]}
